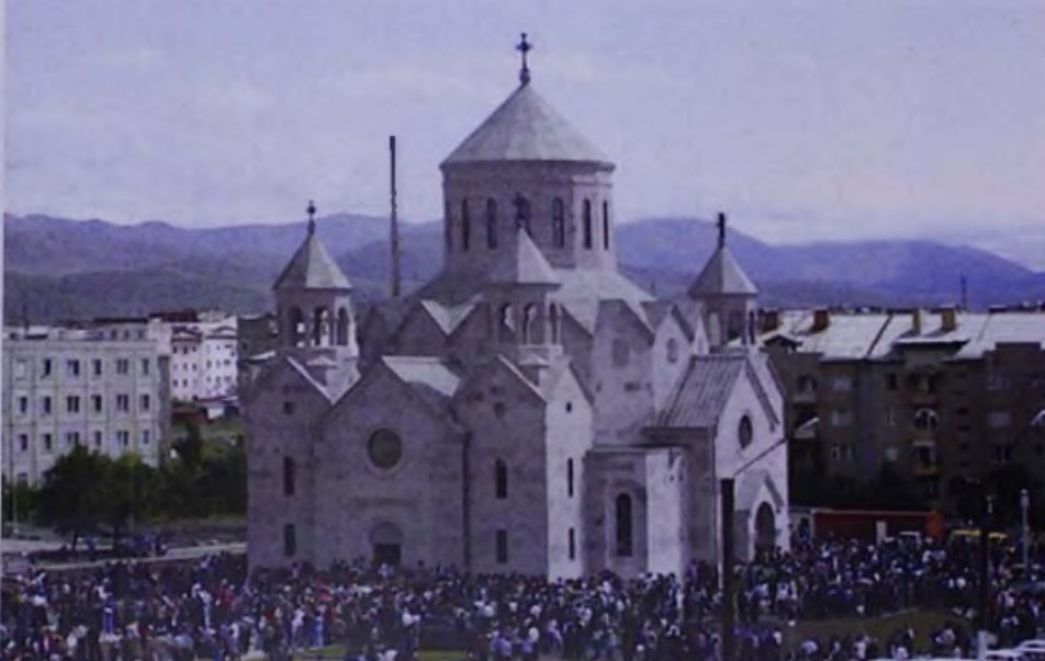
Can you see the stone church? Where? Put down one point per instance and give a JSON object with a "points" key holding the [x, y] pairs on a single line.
{"points": [[528, 410]]}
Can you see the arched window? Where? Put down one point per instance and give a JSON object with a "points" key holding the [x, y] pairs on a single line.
{"points": [[605, 225], [500, 479], [569, 477], [573, 544], [289, 470], [320, 327], [522, 212], [587, 224], [745, 431], [553, 323], [491, 223], [296, 323], [466, 226], [505, 329], [447, 233], [343, 327], [558, 223], [624, 533], [806, 385], [530, 324], [736, 325], [673, 350]]}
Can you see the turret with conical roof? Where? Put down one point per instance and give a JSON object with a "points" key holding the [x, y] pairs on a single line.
{"points": [[727, 296], [313, 298]]}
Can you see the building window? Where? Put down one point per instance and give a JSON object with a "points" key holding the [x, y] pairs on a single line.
{"points": [[605, 225], [96, 403], [998, 419], [745, 431], [145, 367], [45, 368], [96, 366], [123, 438], [48, 441], [23, 442], [522, 212], [21, 368], [891, 382], [806, 385], [146, 437], [491, 223], [569, 477], [587, 224], [673, 350], [558, 223], [23, 405], [72, 404], [72, 439], [98, 439], [466, 226], [290, 540], [926, 419], [123, 403], [46, 405], [573, 544], [500, 478], [72, 368], [385, 449], [145, 403], [123, 366], [288, 476], [288, 408], [842, 384], [624, 530], [502, 546], [841, 418]]}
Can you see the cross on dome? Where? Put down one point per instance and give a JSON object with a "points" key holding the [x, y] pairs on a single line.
{"points": [[524, 47], [311, 211]]}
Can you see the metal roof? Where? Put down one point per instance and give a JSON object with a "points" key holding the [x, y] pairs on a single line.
{"points": [[522, 264], [703, 391]]}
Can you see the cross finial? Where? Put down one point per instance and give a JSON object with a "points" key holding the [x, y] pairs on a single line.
{"points": [[524, 47], [311, 211], [721, 229]]}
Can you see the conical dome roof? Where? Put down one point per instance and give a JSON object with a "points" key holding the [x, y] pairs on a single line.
{"points": [[722, 275], [525, 128], [312, 267], [522, 264]]}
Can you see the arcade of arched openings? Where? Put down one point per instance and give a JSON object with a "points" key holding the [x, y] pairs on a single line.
{"points": [[321, 328]]}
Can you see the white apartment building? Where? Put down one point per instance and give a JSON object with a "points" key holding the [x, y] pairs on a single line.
{"points": [[203, 360], [64, 387]]}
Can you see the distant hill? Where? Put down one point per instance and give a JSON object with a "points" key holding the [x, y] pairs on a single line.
{"points": [[69, 269]]}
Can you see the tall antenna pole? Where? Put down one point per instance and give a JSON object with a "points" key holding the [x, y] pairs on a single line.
{"points": [[394, 238]]}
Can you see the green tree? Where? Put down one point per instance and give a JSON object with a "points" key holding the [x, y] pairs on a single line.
{"points": [[130, 493], [72, 497]]}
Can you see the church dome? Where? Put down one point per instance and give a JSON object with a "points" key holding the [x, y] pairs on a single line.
{"points": [[526, 128]]}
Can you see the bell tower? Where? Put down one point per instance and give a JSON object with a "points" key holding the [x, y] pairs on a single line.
{"points": [[314, 303], [728, 297]]}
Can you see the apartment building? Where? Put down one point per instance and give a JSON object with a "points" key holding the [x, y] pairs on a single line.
{"points": [[66, 387], [940, 398]]}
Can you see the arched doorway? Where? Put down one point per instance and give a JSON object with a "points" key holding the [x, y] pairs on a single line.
{"points": [[387, 542], [765, 527]]}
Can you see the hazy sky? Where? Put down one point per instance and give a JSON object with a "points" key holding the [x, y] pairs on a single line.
{"points": [[804, 119]]}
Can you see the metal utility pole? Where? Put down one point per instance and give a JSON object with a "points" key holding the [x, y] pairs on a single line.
{"points": [[394, 229], [728, 588]]}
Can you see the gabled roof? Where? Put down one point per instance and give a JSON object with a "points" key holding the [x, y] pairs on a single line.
{"points": [[722, 275], [525, 128], [522, 264], [431, 374], [703, 392], [312, 267]]}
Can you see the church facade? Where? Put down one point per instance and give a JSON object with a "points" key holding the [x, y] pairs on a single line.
{"points": [[528, 410]]}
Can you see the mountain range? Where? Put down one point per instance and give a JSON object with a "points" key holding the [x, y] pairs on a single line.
{"points": [[63, 269]]}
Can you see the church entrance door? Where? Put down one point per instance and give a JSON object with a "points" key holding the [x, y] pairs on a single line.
{"points": [[765, 527], [387, 542]]}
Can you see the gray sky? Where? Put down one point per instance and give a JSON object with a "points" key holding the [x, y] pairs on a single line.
{"points": [[804, 120]]}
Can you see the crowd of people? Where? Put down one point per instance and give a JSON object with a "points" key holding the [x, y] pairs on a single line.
{"points": [[214, 609]]}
